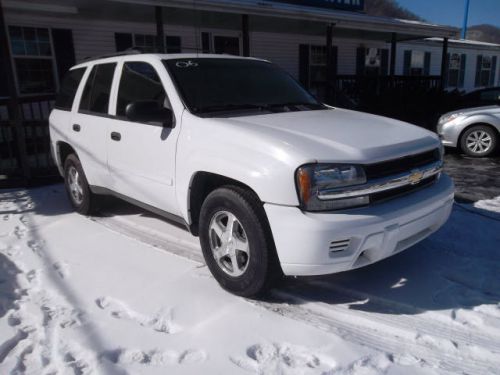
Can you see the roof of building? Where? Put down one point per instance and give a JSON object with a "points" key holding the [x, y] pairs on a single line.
{"points": [[341, 18], [467, 42]]}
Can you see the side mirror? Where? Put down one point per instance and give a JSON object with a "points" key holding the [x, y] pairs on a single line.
{"points": [[148, 111]]}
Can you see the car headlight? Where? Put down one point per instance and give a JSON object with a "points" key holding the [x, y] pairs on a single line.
{"points": [[315, 181], [448, 118]]}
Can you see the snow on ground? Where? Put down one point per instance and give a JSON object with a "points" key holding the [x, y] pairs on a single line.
{"points": [[127, 293]]}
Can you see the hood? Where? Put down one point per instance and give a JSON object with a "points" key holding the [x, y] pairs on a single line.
{"points": [[490, 109], [339, 135]]}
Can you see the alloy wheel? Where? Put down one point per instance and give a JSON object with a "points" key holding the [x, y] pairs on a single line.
{"points": [[229, 243], [478, 141], [75, 185]]}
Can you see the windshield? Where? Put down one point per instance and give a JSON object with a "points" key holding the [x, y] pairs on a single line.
{"points": [[210, 86]]}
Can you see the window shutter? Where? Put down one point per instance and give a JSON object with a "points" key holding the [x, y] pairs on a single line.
{"points": [[427, 63], [335, 59], [461, 78], [407, 63], [64, 50], [360, 60], [384, 63], [447, 80], [479, 62], [4, 89], [123, 41], [205, 42], [304, 65], [493, 70], [173, 44]]}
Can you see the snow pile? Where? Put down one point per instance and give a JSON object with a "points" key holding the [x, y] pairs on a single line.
{"points": [[127, 293]]}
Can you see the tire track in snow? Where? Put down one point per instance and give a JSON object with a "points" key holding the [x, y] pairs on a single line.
{"points": [[405, 316], [443, 353], [429, 338]]}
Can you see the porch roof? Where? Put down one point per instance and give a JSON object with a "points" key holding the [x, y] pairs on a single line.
{"points": [[356, 21], [296, 18]]}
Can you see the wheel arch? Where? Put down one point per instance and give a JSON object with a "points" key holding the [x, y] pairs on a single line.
{"points": [[63, 150], [203, 183]]}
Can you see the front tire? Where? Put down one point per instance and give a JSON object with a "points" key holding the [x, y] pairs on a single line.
{"points": [[237, 243], [77, 187], [479, 141]]}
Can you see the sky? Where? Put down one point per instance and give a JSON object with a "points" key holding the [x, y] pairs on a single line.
{"points": [[451, 12]]}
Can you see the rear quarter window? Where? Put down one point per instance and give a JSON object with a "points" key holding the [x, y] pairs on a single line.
{"points": [[67, 92], [95, 97]]}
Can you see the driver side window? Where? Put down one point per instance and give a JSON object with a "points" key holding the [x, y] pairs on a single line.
{"points": [[140, 82]]}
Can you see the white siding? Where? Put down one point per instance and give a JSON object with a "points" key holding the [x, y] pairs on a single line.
{"points": [[436, 54], [96, 37], [283, 49]]}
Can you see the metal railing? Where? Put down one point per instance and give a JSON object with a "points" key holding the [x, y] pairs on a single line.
{"points": [[25, 144]]}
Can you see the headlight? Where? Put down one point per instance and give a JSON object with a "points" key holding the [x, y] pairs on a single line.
{"points": [[314, 181], [448, 118]]}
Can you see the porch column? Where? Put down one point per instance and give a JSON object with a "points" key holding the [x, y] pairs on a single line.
{"points": [[245, 31], [330, 73], [392, 68], [160, 34], [444, 64], [14, 107]]}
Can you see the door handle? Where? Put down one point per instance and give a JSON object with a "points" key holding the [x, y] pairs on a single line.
{"points": [[76, 127], [115, 136]]}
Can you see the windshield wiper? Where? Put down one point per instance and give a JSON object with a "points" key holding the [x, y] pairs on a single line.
{"points": [[297, 104], [230, 107]]}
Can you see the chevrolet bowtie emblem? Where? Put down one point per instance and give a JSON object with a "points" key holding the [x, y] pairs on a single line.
{"points": [[415, 177]]}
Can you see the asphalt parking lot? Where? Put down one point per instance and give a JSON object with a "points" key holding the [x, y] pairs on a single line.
{"points": [[475, 178]]}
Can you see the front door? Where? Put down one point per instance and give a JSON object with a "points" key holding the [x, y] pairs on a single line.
{"points": [[141, 156], [227, 44]]}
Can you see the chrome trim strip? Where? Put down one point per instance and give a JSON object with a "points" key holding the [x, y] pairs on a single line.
{"points": [[382, 184]]}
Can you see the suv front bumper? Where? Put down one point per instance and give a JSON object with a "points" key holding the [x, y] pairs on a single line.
{"points": [[323, 243]]}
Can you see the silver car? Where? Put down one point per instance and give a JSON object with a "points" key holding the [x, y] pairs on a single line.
{"points": [[474, 130]]}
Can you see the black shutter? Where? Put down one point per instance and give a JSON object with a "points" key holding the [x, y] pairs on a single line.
{"points": [[427, 63], [173, 44], [304, 65], [461, 77], [384, 63], [360, 60], [493, 70], [446, 78], [64, 51], [205, 42], [479, 63], [407, 63], [4, 88], [123, 41], [335, 60]]}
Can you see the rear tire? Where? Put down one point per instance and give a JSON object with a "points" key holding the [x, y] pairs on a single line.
{"points": [[82, 199], [478, 141], [241, 256]]}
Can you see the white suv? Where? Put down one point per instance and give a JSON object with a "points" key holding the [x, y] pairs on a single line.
{"points": [[272, 181]]}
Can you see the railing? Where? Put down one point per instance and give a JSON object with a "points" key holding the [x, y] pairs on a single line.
{"points": [[409, 98], [25, 144], [356, 86]]}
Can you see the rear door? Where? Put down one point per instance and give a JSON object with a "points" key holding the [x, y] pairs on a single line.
{"points": [[141, 156], [89, 123]]}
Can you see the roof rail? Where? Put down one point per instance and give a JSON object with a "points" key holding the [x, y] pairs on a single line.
{"points": [[128, 51]]}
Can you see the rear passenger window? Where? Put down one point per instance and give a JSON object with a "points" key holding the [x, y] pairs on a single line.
{"points": [[139, 82], [68, 89], [95, 97]]}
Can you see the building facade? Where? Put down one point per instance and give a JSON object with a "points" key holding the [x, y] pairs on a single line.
{"points": [[332, 47]]}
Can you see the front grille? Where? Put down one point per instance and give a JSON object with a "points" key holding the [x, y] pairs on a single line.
{"points": [[401, 165], [394, 193]]}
